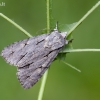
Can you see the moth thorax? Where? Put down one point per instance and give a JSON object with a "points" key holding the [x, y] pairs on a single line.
{"points": [[54, 41]]}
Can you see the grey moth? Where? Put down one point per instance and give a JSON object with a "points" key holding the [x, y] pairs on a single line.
{"points": [[33, 56]]}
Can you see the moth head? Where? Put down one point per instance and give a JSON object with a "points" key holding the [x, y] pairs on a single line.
{"points": [[63, 34]]}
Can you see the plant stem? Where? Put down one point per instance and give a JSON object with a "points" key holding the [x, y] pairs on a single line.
{"points": [[81, 50], [49, 14], [40, 96], [49, 17], [71, 66], [15, 24], [84, 17]]}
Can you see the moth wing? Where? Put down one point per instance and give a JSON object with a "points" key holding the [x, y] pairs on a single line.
{"points": [[33, 56], [16, 51], [30, 74]]}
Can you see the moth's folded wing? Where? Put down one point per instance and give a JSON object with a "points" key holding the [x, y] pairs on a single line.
{"points": [[30, 74], [16, 51]]}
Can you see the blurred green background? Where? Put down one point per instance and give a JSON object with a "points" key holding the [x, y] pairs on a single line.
{"points": [[63, 83]]}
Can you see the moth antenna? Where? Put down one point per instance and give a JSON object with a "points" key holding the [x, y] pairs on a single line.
{"points": [[56, 28], [57, 25]]}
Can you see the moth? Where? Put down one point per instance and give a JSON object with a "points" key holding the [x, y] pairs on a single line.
{"points": [[33, 56]]}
